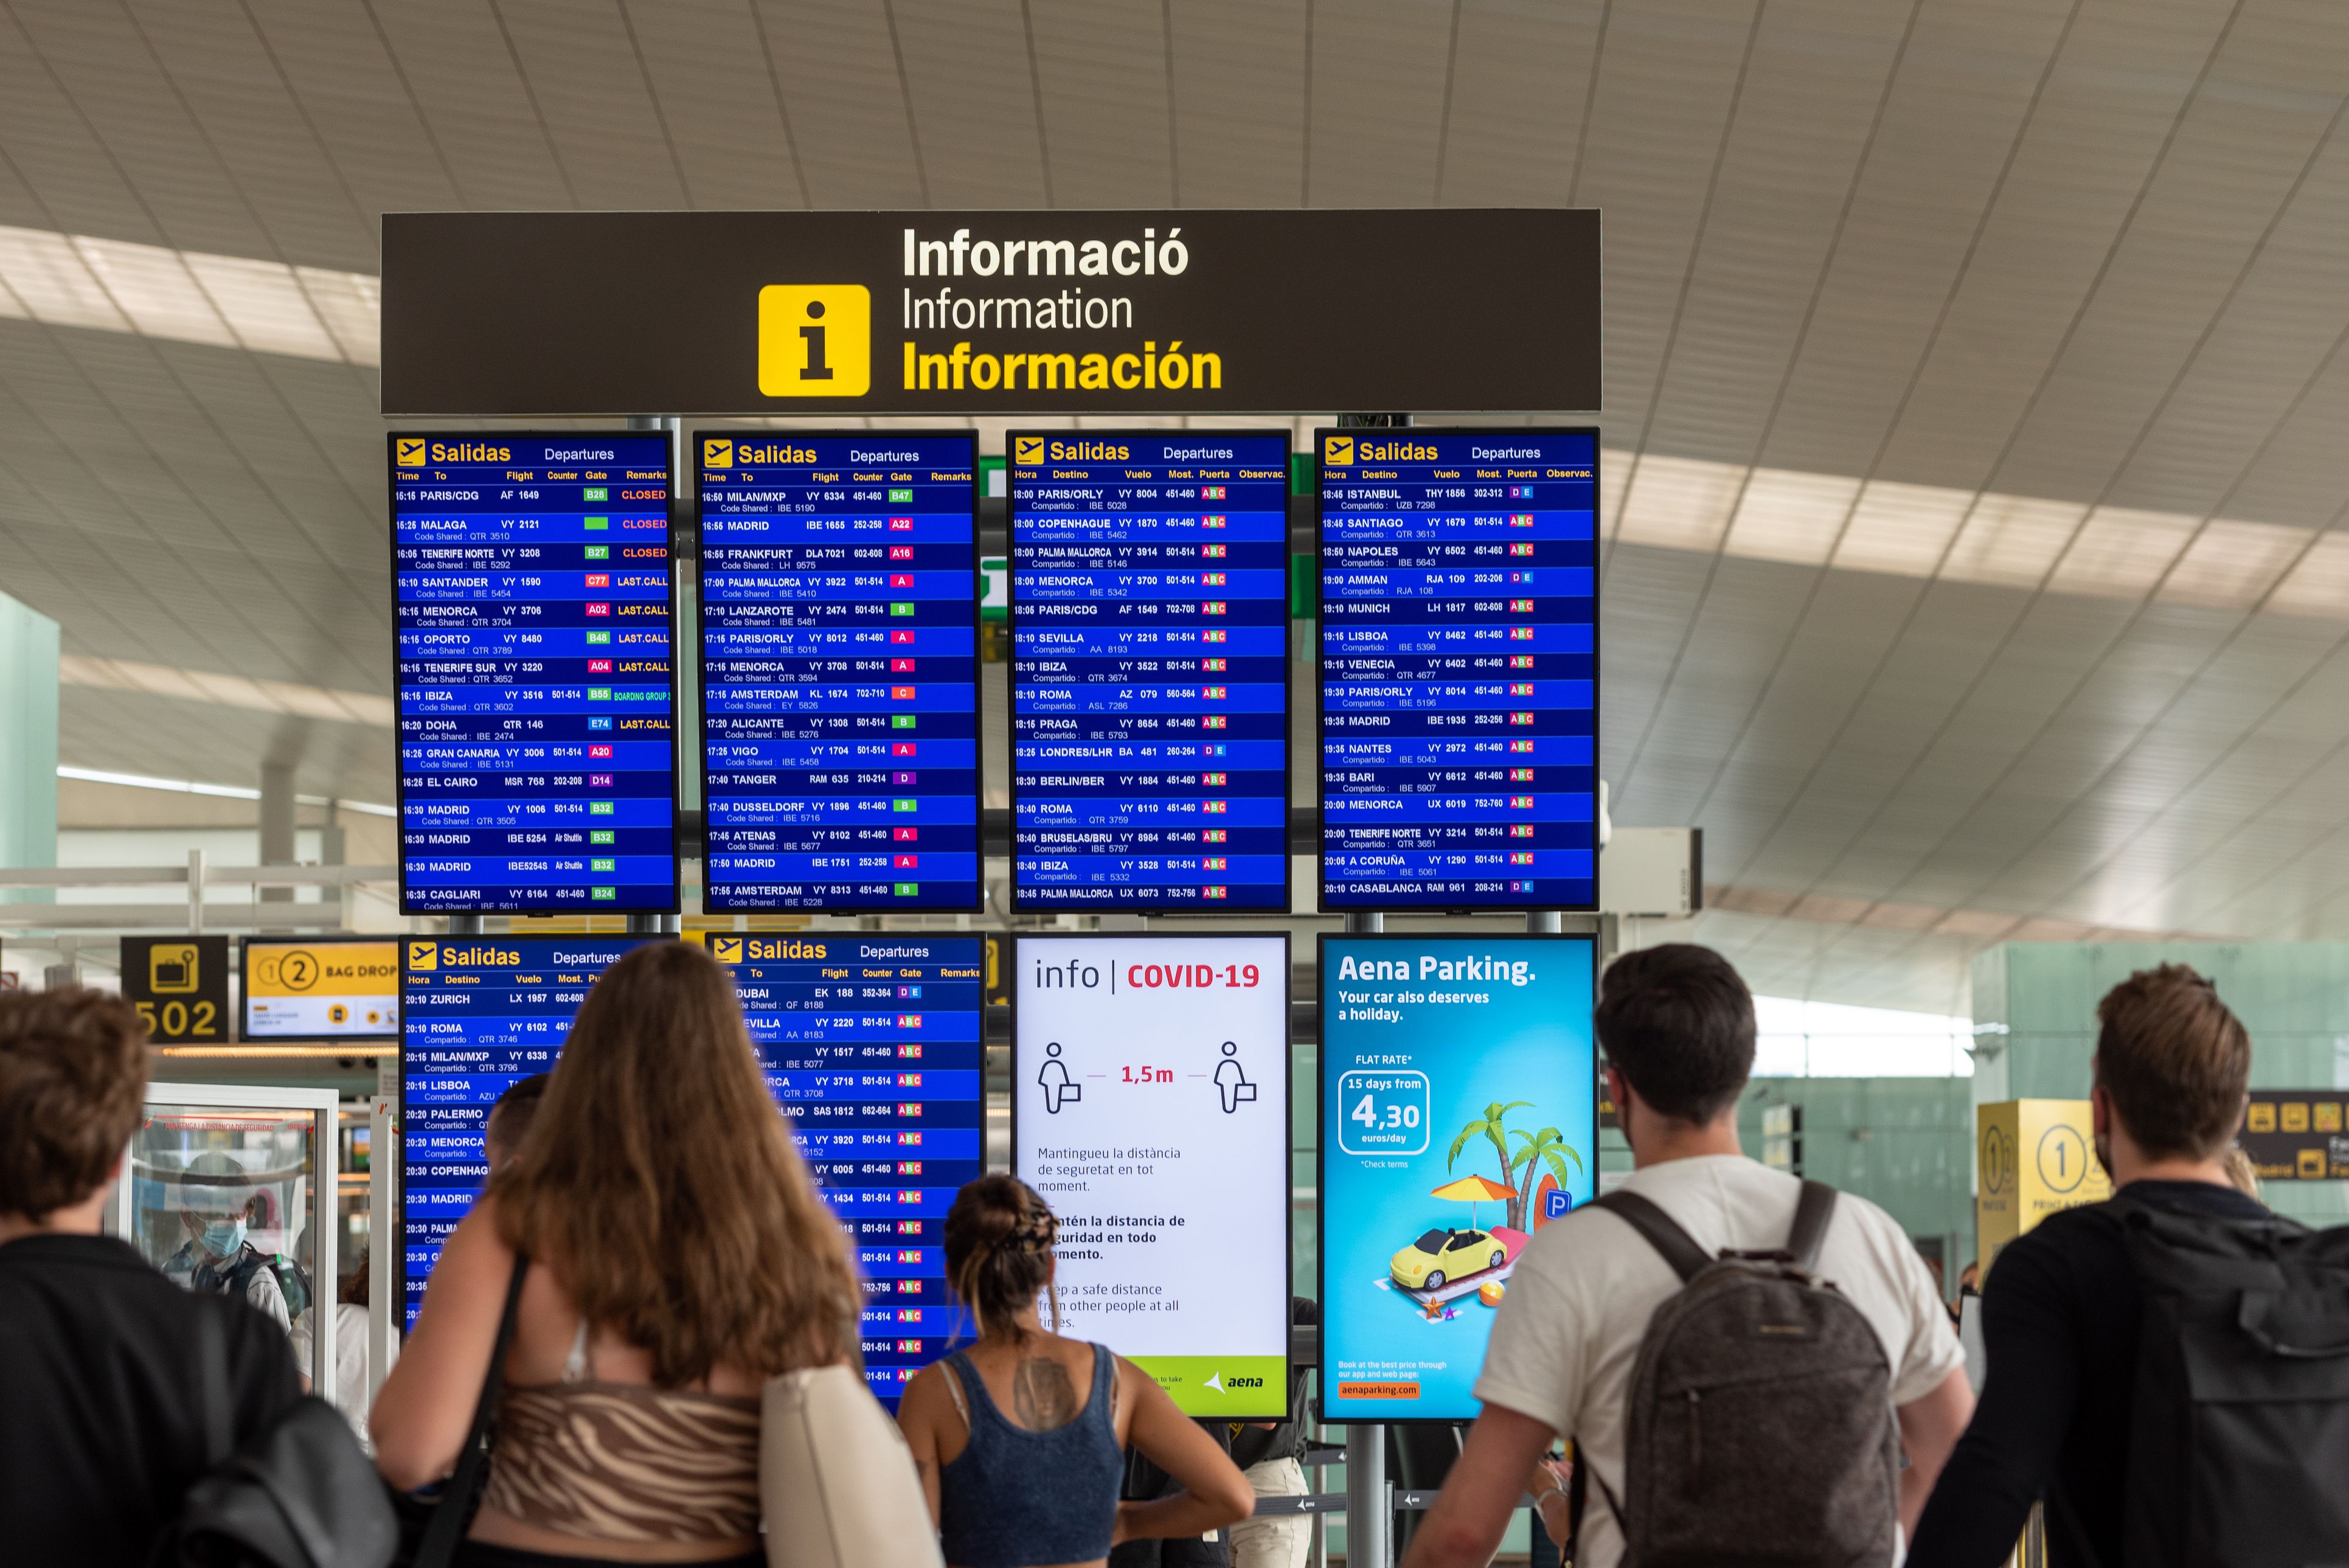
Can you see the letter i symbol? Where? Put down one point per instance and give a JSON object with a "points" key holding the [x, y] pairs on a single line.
{"points": [[817, 370]]}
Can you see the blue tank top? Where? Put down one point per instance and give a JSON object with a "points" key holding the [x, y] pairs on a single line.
{"points": [[1014, 1497]]}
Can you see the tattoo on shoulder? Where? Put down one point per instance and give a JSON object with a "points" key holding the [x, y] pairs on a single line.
{"points": [[1042, 1395]]}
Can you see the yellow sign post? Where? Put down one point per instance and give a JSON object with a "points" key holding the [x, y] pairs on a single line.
{"points": [[2032, 1158]]}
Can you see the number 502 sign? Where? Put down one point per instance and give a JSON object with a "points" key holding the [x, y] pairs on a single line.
{"points": [[1386, 1112]]}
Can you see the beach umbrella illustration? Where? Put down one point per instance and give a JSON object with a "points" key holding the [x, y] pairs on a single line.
{"points": [[1473, 1190]]}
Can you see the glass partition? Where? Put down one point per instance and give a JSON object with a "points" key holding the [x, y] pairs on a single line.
{"points": [[225, 1192]]}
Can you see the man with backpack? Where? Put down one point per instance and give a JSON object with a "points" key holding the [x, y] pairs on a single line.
{"points": [[2169, 1367], [1742, 1358], [104, 1429]]}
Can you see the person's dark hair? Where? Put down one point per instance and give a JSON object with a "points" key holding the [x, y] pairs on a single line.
{"points": [[2175, 1060], [511, 1115], [73, 1085], [354, 1284], [998, 1242], [1678, 1022]]}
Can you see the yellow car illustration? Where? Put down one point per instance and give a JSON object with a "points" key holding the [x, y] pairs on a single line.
{"points": [[1442, 1255]]}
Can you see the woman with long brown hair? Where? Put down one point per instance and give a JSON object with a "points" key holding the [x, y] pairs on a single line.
{"points": [[1020, 1439], [678, 1258]]}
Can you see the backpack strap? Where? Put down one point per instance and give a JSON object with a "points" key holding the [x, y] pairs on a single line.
{"points": [[1812, 1211], [1663, 1232]]}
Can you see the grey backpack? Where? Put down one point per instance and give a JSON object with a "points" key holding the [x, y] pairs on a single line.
{"points": [[1760, 1410]]}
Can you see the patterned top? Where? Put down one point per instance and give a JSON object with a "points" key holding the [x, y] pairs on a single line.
{"points": [[626, 1461]]}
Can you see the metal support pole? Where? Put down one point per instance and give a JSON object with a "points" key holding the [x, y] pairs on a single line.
{"points": [[654, 925], [1544, 923], [195, 893], [277, 825], [1367, 1523], [464, 925]]}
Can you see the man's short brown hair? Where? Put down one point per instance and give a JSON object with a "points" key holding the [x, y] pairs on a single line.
{"points": [[2175, 1061], [73, 1085]]}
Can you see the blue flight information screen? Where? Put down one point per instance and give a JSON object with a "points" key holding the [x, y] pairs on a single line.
{"points": [[870, 1044], [537, 753], [1150, 670], [839, 670], [1459, 669]]}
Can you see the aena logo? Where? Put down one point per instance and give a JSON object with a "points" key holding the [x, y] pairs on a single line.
{"points": [[815, 340], [1030, 449], [1338, 450], [408, 454], [720, 454]]}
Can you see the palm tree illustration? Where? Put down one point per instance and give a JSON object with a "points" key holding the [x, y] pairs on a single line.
{"points": [[1540, 1148], [1490, 1125]]}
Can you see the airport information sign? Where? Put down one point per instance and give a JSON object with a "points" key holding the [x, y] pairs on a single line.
{"points": [[870, 1044], [1458, 1117], [537, 757], [1459, 669], [1149, 686], [839, 670], [1150, 1108], [321, 988]]}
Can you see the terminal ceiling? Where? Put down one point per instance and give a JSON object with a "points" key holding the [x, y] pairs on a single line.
{"points": [[1976, 562]]}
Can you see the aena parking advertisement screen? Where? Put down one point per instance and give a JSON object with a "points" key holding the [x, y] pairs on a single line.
{"points": [[1459, 1115]]}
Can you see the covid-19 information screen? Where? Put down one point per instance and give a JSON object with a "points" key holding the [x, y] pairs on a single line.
{"points": [[839, 670], [1459, 669], [1149, 686], [537, 754], [870, 1044]]}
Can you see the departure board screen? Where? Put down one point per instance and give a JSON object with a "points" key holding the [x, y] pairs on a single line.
{"points": [[839, 670], [1459, 669], [870, 1044], [1150, 670], [537, 757]]}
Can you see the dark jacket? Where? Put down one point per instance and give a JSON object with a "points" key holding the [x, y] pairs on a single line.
{"points": [[101, 1430]]}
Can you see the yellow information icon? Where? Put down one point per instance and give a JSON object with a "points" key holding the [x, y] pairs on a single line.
{"points": [[815, 340]]}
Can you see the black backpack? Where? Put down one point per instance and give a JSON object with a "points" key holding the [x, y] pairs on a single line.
{"points": [[1760, 1410], [2239, 1441], [303, 1494]]}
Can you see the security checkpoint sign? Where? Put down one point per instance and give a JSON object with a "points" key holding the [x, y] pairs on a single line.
{"points": [[1150, 1108], [1128, 312]]}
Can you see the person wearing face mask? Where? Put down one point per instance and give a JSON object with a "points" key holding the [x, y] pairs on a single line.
{"points": [[218, 1258]]}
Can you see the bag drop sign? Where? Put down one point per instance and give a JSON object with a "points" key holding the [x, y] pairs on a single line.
{"points": [[989, 312]]}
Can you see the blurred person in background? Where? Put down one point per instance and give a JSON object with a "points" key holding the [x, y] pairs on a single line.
{"points": [[678, 1258], [2240, 1173], [1020, 1439], [103, 1428], [1271, 1454], [217, 1209]]}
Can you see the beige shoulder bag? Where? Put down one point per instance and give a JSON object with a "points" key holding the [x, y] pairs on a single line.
{"points": [[836, 1480]]}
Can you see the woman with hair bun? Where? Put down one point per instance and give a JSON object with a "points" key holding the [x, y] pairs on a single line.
{"points": [[1020, 1439]]}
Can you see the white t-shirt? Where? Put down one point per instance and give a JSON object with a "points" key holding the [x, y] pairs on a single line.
{"points": [[1577, 1305]]}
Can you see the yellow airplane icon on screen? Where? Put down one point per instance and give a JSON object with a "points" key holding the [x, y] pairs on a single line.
{"points": [[1030, 449], [409, 454], [424, 956], [726, 949], [716, 454], [1338, 450]]}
